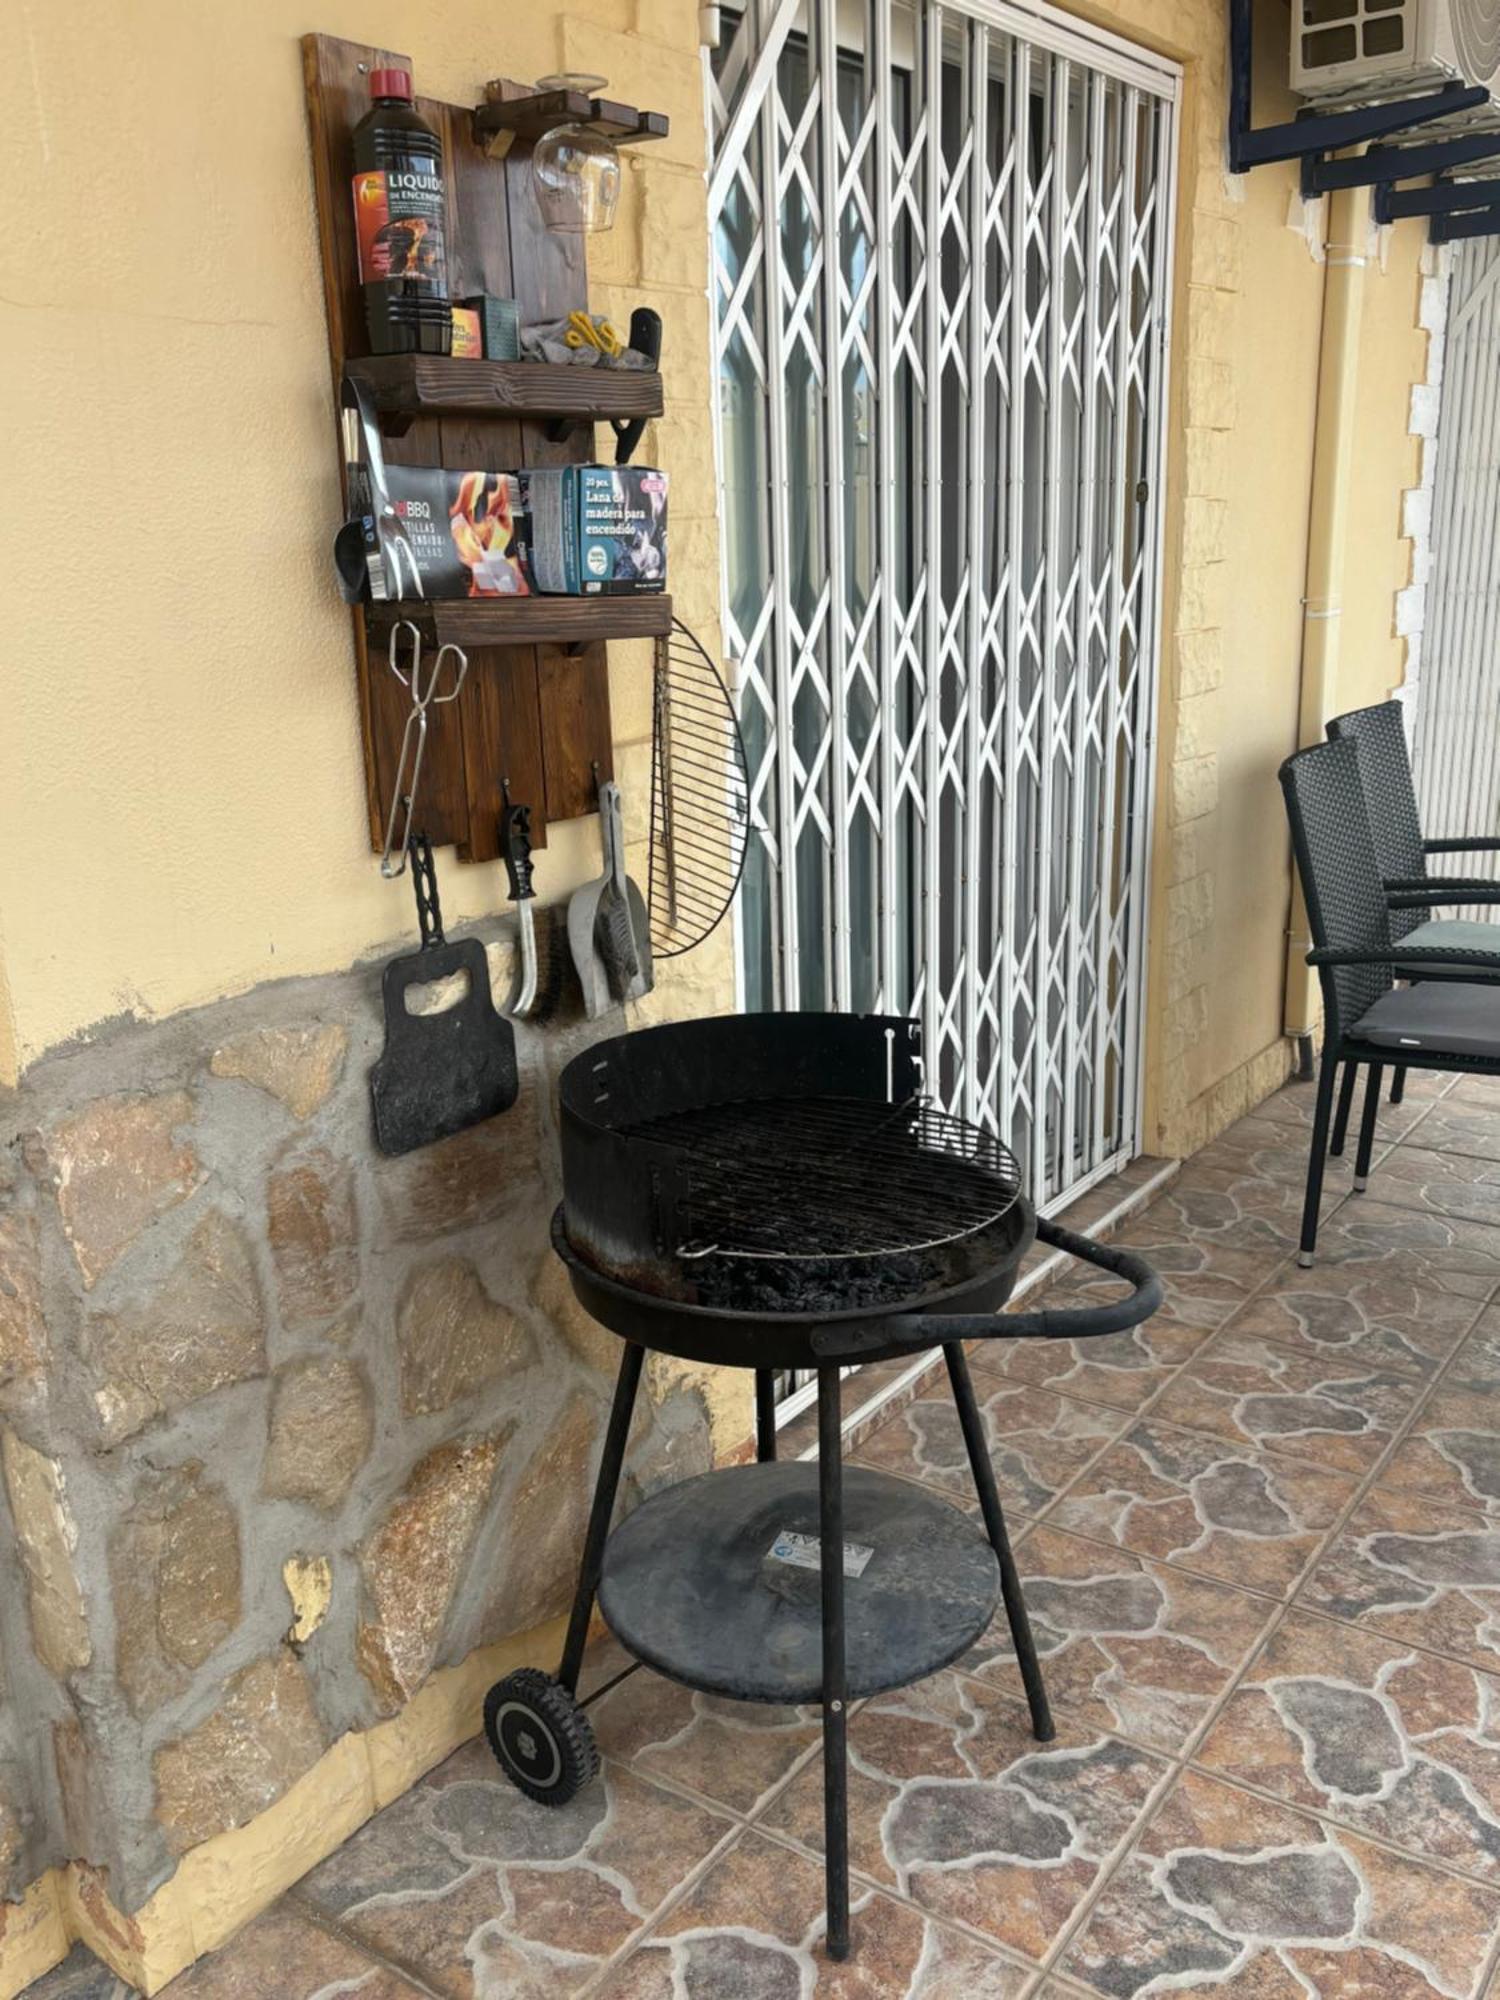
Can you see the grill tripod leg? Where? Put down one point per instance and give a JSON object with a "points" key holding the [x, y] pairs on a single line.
{"points": [[1042, 1726], [835, 1678], [765, 1415], [606, 1486]]}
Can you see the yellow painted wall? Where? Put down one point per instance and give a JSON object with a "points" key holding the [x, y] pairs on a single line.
{"points": [[181, 790]]}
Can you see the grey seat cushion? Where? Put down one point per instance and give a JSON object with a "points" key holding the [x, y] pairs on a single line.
{"points": [[1452, 934], [1443, 1015]]}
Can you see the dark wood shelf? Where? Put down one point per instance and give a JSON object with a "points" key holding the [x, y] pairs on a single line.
{"points": [[417, 385], [529, 621], [499, 123]]}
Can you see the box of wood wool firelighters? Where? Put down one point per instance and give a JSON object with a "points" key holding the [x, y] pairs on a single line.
{"points": [[597, 530]]}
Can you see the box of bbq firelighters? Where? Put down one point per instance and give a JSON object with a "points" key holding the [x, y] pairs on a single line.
{"points": [[596, 530], [449, 534]]}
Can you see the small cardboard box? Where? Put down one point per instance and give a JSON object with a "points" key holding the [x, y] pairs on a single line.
{"points": [[450, 534], [597, 530]]}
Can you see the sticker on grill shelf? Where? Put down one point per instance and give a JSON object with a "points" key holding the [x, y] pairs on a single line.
{"points": [[806, 1552]]}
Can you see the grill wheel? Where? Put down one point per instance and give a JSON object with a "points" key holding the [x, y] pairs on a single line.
{"points": [[540, 1736]]}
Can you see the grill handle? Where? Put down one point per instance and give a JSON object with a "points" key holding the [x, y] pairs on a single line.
{"points": [[1047, 1323]]}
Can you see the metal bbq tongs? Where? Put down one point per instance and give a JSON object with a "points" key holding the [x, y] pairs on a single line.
{"points": [[423, 683]]}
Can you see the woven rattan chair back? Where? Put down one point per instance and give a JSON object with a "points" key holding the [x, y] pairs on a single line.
{"points": [[1342, 881], [1390, 797]]}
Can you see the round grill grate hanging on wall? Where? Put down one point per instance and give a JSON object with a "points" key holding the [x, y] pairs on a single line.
{"points": [[700, 796]]}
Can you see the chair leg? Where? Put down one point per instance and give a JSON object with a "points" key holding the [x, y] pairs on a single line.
{"points": [[1367, 1129], [972, 1424], [1322, 1113], [1398, 1085], [1341, 1116]]}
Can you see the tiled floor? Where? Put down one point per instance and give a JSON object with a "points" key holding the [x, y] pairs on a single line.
{"points": [[1261, 1543]]}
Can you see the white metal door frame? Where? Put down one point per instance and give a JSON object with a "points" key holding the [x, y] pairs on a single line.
{"points": [[942, 276]]}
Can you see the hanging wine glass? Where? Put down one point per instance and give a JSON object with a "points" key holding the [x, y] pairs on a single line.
{"points": [[575, 169]]}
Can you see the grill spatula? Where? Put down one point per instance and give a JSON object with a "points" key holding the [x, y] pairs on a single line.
{"points": [[608, 930], [439, 1073]]}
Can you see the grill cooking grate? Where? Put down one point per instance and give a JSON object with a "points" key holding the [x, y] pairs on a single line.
{"points": [[832, 1177]]}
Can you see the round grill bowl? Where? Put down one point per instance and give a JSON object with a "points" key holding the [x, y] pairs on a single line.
{"points": [[629, 1204]]}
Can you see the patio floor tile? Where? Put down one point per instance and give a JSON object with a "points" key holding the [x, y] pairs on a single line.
{"points": [[1408, 1570], [1122, 1370], [954, 1805], [1293, 1104], [486, 1892], [282, 1953], [1440, 1251], [1246, 1517], [1476, 1366], [1256, 1899], [1037, 1441], [1372, 1315], [1275, 1149], [732, 1753], [1442, 1183], [1452, 1453], [1460, 1126], [1336, 1412], [1237, 1208], [752, 1929], [1129, 1646], [1203, 1282], [1387, 1740], [80, 1977]]}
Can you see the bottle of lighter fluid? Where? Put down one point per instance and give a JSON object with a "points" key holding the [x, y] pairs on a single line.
{"points": [[400, 218]]}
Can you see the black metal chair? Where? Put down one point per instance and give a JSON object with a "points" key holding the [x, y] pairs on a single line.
{"points": [[1402, 849], [1446, 1022]]}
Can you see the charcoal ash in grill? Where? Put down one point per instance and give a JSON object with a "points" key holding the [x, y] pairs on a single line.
{"points": [[816, 1284]]}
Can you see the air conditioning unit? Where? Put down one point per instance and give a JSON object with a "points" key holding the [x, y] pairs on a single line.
{"points": [[1359, 51]]}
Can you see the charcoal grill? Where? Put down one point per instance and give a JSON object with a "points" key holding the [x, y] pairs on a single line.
{"points": [[772, 1191]]}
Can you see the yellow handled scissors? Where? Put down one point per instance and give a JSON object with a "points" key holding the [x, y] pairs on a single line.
{"points": [[585, 331]]}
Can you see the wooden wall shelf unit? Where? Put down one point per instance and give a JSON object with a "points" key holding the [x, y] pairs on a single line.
{"points": [[535, 706]]}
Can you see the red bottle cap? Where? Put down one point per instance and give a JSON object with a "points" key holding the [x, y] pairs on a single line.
{"points": [[390, 83]]}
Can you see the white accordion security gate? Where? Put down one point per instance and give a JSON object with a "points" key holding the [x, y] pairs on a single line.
{"points": [[941, 246], [1457, 751]]}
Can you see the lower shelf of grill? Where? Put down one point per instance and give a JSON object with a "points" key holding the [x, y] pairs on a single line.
{"points": [[704, 1583]]}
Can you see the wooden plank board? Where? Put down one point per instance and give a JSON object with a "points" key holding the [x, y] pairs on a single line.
{"points": [[430, 384], [541, 621]]}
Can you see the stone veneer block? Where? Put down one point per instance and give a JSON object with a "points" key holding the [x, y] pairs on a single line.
{"points": [[471, 1178], [412, 1563], [174, 1563], [322, 1424], [454, 1338], [546, 1514], [203, 1328], [46, 1537], [313, 1229], [114, 1167], [23, 1332], [297, 1066], [260, 1739]]}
